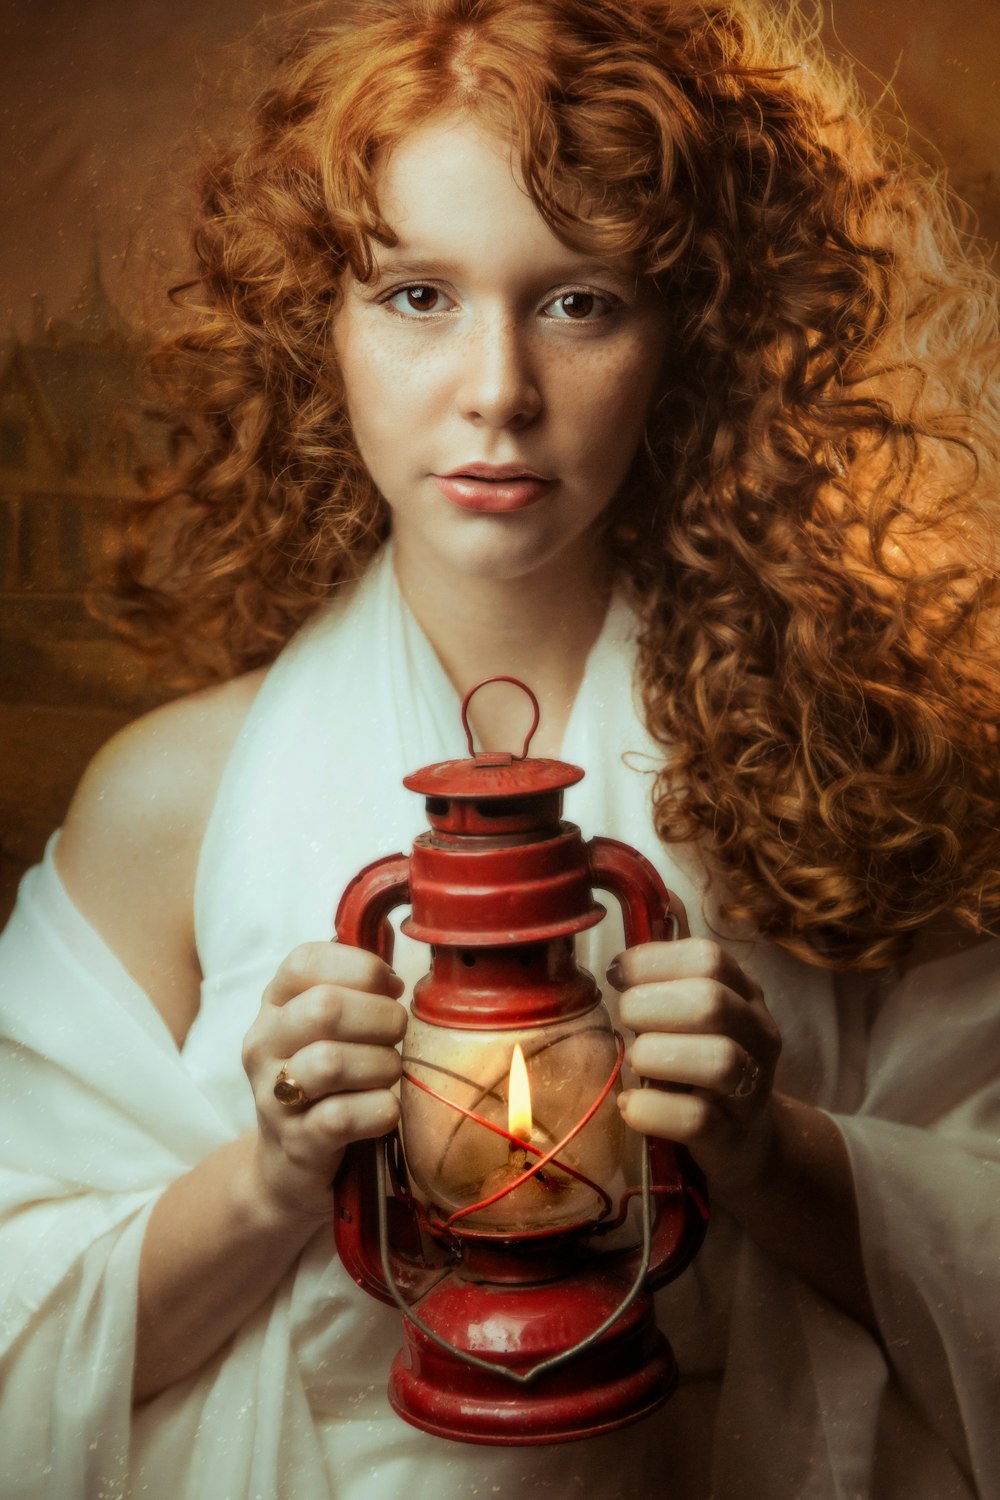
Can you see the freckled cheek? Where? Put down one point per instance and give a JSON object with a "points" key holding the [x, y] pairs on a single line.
{"points": [[384, 381], [367, 373], [384, 395], [609, 409]]}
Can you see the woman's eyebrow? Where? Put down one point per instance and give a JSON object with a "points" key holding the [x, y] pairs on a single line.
{"points": [[391, 264]]}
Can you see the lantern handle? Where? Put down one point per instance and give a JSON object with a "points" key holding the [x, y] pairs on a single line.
{"points": [[485, 683], [362, 920], [650, 912]]}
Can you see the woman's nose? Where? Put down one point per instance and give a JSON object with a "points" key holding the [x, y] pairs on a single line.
{"points": [[499, 385]]}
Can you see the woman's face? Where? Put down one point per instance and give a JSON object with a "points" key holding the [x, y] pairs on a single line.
{"points": [[484, 344]]}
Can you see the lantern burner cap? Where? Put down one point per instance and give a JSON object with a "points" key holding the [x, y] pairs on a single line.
{"points": [[494, 774], [494, 777]]}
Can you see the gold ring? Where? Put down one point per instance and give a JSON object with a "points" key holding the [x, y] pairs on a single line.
{"points": [[749, 1079], [289, 1093]]}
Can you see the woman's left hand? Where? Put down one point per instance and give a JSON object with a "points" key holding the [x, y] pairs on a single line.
{"points": [[707, 1042]]}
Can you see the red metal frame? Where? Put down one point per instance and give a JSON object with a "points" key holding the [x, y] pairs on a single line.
{"points": [[513, 1336]]}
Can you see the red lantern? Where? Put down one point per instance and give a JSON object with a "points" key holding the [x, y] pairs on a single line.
{"points": [[493, 1221]]}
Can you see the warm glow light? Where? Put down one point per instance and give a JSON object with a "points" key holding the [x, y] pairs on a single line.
{"points": [[519, 1097]]}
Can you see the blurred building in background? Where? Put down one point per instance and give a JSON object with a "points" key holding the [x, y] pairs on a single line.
{"points": [[74, 435]]}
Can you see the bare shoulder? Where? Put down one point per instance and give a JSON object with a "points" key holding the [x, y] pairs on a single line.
{"points": [[129, 848], [160, 774]]}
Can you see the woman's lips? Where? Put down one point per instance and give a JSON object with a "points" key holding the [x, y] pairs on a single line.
{"points": [[494, 495]]}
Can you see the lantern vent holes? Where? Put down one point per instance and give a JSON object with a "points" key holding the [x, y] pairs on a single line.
{"points": [[437, 806], [527, 954], [506, 807]]}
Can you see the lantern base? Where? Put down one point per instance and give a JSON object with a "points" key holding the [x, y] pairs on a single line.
{"points": [[618, 1379]]}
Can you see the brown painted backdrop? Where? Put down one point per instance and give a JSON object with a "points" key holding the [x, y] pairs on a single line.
{"points": [[105, 103]]}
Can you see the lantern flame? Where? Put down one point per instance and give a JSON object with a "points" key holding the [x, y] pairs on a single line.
{"points": [[519, 1097]]}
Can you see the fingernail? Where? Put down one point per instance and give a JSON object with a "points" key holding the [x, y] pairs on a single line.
{"points": [[615, 976]]}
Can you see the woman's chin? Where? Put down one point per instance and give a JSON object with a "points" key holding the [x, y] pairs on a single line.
{"points": [[500, 548], [503, 559]]}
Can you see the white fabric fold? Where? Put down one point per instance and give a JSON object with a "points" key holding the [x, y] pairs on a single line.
{"points": [[926, 1160], [781, 1396], [97, 1115]]}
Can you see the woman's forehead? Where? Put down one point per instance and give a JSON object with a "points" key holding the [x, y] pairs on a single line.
{"points": [[452, 189]]}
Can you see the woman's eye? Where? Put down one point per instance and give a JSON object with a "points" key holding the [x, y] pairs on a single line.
{"points": [[578, 307], [417, 299]]}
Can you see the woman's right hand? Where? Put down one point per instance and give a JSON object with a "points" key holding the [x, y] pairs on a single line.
{"points": [[331, 1018]]}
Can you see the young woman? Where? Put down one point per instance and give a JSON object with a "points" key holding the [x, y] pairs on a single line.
{"points": [[600, 343]]}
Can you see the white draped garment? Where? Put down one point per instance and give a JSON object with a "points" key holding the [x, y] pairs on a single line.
{"points": [[782, 1396]]}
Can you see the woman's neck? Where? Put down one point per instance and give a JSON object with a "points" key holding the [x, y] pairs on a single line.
{"points": [[539, 628]]}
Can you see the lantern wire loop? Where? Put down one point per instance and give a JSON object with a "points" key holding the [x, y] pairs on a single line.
{"points": [[485, 683], [528, 1146], [556, 1361]]}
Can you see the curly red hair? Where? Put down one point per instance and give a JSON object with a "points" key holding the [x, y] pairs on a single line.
{"points": [[808, 533]]}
